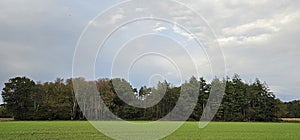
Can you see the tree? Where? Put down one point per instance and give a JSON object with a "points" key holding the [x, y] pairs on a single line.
{"points": [[188, 98], [292, 109], [23, 99], [3, 112], [18, 97], [204, 91]]}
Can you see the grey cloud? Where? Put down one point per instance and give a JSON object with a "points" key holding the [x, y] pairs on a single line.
{"points": [[259, 39], [37, 38]]}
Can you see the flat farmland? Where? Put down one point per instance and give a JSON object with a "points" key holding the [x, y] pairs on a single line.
{"points": [[214, 131]]}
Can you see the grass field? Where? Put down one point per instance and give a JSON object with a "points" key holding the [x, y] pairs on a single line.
{"points": [[214, 131]]}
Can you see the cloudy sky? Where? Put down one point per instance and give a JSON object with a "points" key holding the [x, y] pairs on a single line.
{"points": [[146, 41]]}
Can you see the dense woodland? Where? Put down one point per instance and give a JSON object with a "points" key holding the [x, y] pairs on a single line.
{"points": [[25, 99]]}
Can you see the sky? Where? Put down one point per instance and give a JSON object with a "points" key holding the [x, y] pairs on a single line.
{"points": [[147, 41]]}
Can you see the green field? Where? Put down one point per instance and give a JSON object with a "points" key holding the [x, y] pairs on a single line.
{"points": [[214, 131]]}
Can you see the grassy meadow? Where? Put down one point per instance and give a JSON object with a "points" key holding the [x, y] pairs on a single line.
{"points": [[80, 130]]}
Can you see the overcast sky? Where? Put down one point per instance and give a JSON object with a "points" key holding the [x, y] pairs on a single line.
{"points": [[259, 39]]}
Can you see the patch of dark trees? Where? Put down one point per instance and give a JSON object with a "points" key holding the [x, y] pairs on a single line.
{"points": [[25, 99]]}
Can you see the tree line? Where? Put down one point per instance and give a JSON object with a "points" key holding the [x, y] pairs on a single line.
{"points": [[25, 99]]}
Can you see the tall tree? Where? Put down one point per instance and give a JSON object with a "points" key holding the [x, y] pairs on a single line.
{"points": [[18, 97]]}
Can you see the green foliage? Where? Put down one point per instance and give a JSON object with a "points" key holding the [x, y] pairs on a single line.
{"points": [[18, 96], [24, 100], [290, 109], [4, 113]]}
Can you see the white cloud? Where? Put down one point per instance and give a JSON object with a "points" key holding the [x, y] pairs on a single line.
{"points": [[260, 26], [159, 29], [181, 32], [139, 9], [116, 18]]}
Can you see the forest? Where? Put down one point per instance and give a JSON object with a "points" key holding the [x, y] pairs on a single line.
{"points": [[24, 99]]}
